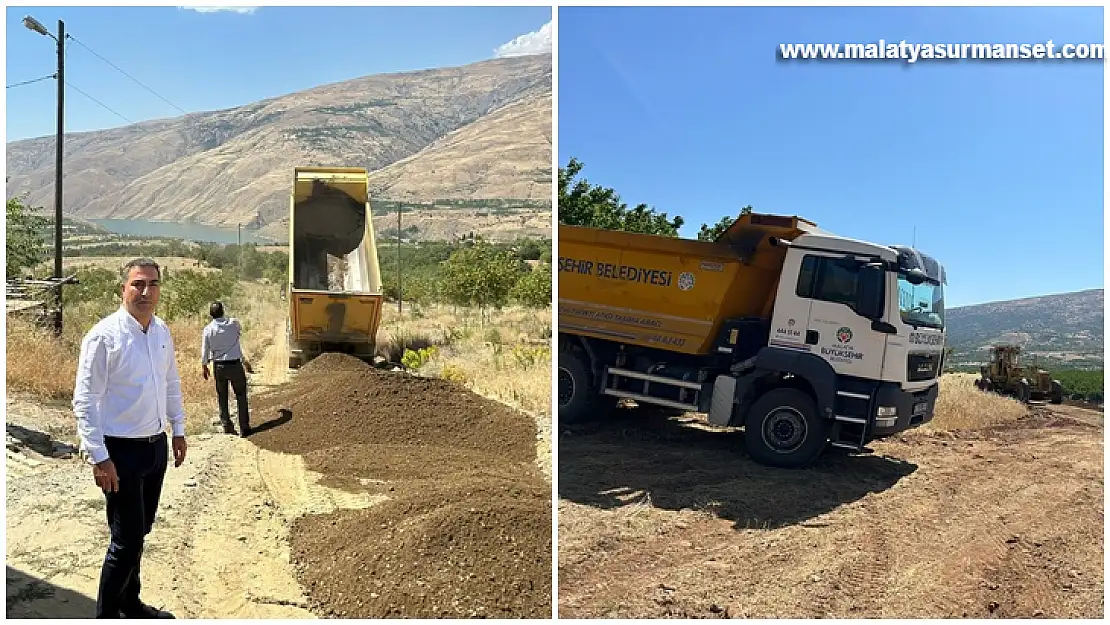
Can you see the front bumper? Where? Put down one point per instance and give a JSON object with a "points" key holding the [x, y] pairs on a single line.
{"points": [[913, 409]]}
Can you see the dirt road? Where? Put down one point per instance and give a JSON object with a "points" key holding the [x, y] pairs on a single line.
{"points": [[220, 547], [660, 517]]}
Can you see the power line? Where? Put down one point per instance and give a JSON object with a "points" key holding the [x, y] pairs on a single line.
{"points": [[136, 80], [69, 84], [28, 82]]}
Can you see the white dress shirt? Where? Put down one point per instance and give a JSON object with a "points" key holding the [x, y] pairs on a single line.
{"points": [[221, 340], [127, 383]]}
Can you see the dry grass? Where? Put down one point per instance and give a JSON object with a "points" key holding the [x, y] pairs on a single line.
{"points": [[30, 348], [507, 359], [961, 406]]}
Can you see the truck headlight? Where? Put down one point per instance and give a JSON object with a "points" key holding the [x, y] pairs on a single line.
{"points": [[888, 411]]}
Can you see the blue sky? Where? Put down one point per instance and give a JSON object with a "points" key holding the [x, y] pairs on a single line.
{"points": [[202, 61], [690, 111]]}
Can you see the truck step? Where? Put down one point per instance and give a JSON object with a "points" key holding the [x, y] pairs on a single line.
{"points": [[857, 420], [849, 432], [857, 448]]}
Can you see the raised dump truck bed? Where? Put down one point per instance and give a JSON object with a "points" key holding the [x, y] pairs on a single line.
{"points": [[335, 297]]}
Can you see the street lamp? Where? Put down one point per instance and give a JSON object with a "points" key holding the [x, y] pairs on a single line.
{"points": [[33, 24]]}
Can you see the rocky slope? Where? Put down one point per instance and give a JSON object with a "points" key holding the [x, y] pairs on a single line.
{"points": [[480, 131], [1063, 326]]}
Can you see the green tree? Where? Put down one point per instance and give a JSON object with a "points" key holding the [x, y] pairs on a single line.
{"points": [[583, 204], [534, 288], [710, 233], [188, 293], [24, 242], [480, 275]]}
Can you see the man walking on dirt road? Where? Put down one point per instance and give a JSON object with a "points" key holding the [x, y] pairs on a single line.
{"points": [[220, 345], [127, 387]]}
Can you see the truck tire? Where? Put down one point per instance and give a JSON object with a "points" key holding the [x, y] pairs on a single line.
{"points": [[578, 397], [783, 429], [1057, 392]]}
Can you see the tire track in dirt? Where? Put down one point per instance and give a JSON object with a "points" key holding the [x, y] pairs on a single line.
{"points": [[1003, 522], [856, 585], [232, 559], [298, 492]]}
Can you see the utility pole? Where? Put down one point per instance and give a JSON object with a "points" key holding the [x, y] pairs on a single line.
{"points": [[33, 24], [58, 165]]}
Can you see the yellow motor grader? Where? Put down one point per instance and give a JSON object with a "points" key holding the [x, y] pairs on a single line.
{"points": [[1005, 374]]}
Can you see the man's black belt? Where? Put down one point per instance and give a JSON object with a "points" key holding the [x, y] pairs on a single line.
{"points": [[227, 362], [161, 436]]}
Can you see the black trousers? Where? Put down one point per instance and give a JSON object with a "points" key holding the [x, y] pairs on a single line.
{"points": [[233, 372], [141, 466]]}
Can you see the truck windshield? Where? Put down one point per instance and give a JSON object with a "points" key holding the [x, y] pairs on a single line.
{"points": [[921, 305]]}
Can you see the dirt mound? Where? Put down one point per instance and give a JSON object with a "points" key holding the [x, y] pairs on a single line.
{"points": [[342, 408], [466, 530], [333, 362], [396, 463], [477, 547]]}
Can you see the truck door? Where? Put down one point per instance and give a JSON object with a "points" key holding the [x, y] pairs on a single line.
{"points": [[834, 330]]}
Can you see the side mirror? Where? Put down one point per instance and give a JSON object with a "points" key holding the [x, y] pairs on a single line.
{"points": [[915, 276]]}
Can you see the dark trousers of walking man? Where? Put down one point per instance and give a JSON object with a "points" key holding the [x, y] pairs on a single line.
{"points": [[232, 371], [141, 466]]}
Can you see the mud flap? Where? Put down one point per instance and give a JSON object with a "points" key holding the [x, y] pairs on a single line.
{"points": [[724, 395]]}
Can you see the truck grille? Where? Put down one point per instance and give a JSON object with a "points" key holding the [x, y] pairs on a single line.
{"points": [[922, 367]]}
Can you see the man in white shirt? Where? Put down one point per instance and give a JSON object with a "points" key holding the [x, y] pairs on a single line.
{"points": [[220, 345], [127, 388]]}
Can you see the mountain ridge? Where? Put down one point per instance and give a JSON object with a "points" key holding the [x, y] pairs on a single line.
{"points": [[232, 165], [1062, 327]]}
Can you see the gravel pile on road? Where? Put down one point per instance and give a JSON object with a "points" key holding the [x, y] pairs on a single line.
{"points": [[466, 530], [464, 548], [335, 403]]}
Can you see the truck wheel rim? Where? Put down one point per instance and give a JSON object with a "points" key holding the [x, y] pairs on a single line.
{"points": [[784, 429], [566, 387]]}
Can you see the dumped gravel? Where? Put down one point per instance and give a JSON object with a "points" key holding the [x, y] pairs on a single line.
{"points": [[466, 530], [464, 548]]}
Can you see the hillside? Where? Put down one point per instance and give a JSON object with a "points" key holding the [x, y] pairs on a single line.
{"points": [[1064, 327], [476, 132]]}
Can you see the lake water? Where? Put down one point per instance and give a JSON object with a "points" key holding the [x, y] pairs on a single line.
{"points": [[178, 230]]}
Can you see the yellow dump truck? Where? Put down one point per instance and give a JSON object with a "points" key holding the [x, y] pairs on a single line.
{"points": [[802, 337], [335, 295]]}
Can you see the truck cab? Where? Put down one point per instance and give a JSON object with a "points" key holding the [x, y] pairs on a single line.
{"points": [[875, 316]]}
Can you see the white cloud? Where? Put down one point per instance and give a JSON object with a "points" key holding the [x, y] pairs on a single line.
{"points": [[236, 9], [535, 42]]}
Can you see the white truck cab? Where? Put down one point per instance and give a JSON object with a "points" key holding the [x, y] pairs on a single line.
{"points": [[875, 315]]}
